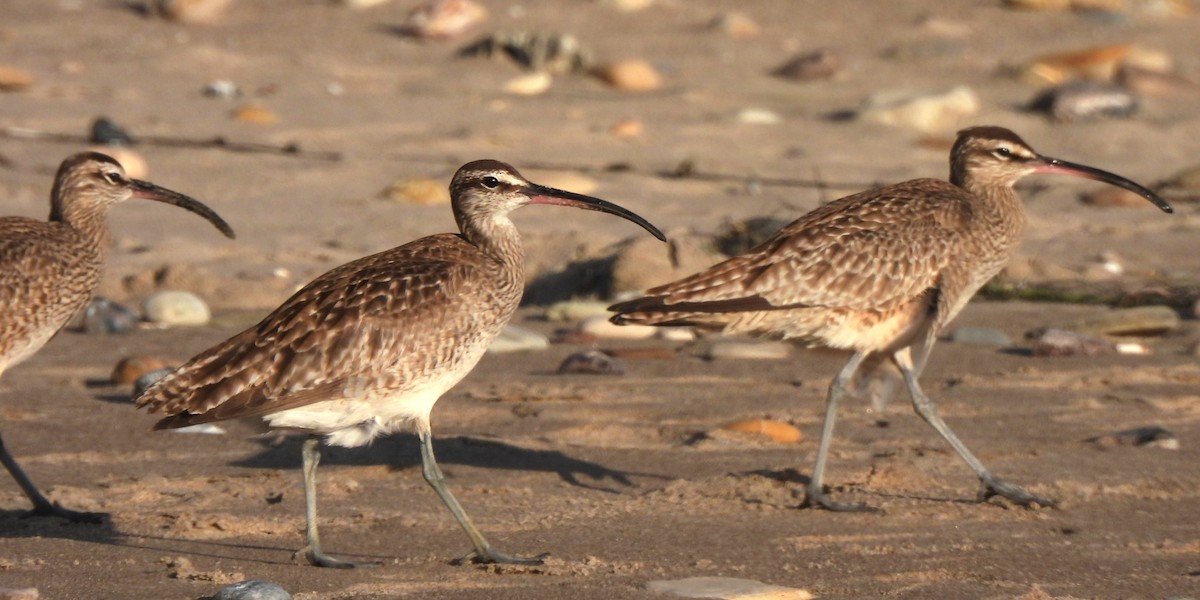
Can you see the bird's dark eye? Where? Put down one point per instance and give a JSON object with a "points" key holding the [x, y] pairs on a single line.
{"points": [[111, 178], [490, 182], [1003, 152]]}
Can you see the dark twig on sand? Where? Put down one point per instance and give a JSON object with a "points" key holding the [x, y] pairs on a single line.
{"points": [[291, 149]]}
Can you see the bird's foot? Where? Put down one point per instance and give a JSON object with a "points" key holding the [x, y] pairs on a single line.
{"points": [[817, 498], [994, 486], [318, 558], [494, 556], [52, 509]]}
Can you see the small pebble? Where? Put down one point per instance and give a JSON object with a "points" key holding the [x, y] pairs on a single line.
{"points": [[444, 19], [105, 316], [144, 382], [222, 88], [530, 84], [514, 338], [758, 116], [418, 190], [591, 362], [628, 5], [176, 307], [132, 368], [923, 111], [721, 349], [252, 589], [600, 327], [675, 334], [726, 588], [1152, 435], [256, 114], [628, 128], [735, 24], [192, 11], [780, 432], [984, 336], [1059, 342], [1085, 100], [106, 132], [13, 79], [633, 75], [822, 64]]}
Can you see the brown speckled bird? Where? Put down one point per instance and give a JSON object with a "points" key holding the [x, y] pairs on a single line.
{"points": [[370, 346], [880, 273], [50, 269]]}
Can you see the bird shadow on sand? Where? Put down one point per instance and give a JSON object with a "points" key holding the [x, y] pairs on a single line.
{"points": [[17, 523], [799, 481], [402, 451]]}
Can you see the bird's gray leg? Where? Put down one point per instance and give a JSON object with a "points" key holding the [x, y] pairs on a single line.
{"points": [[484, 552], [815, 493], [991, 485], [42, 506], [311, 451]]}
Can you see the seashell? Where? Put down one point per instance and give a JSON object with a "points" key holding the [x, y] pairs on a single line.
{"points": [[1093, 63], [778, 431], [176, 307], [530, 84], [252, 589], [923, 111], [13, 79], [1085, 100], [132, 368], [254, 113], [419, 190], [632, 75], [550, 52], [444, 19]]}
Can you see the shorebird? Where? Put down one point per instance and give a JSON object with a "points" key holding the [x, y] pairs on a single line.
{"points": [[50, 269], [879, 273], [370, 346]]}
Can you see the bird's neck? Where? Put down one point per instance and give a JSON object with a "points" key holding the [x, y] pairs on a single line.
{"points": [[997, 206], [91, 222], [498, 238]]}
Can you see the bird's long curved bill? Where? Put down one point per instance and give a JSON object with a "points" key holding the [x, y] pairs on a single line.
{"points": [[540, 194], [1054, 165], [149, 191]]}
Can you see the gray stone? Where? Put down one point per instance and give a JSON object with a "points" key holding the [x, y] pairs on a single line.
{"points": [[591, 362], [105, 316], [176, 307], [252, 589], [644, 262], [19, 594], [1151, 435], [984, 336], [726, 588], [142, 383], [1058, 342], [1086, 100]]}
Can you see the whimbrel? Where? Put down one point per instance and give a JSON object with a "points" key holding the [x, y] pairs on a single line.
{"points": [[371, 345], [50, 269], [880, 273]]}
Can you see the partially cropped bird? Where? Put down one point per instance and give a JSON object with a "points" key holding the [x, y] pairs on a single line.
{"points": [[879, 273], [370, 346], [50, 269]]}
